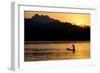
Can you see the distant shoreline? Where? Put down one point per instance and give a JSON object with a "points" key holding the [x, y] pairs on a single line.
{"points": [[44, 42]]}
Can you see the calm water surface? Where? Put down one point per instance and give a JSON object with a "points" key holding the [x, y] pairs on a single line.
{"points": [[56, 51]]}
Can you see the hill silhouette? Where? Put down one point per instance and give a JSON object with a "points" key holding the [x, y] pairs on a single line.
{"points": [[44, 28]]}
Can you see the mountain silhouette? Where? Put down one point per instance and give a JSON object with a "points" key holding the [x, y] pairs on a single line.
{"points": [[42, 18], [44, 28]]}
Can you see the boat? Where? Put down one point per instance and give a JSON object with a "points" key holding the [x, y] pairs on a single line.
{"points": [[72, 49]]}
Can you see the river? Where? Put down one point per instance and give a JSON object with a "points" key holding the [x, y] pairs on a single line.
{"points": [[56, 51]]}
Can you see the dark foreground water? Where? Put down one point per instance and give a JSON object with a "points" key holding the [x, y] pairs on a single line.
{"points": [[56, 51]]}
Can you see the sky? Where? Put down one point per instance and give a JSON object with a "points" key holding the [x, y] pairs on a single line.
{"points": [[80, 19]]}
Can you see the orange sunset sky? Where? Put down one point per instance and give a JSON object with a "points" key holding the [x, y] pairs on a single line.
{"points": [[74, 18]]}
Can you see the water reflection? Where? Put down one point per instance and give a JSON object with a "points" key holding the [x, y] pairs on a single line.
{"points": [[56, 51]]}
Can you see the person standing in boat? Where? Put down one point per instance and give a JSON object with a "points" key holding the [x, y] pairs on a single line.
{"points": [[72, 49]]}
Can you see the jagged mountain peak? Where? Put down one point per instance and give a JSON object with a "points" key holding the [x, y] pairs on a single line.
{"points": [[42, 18]]}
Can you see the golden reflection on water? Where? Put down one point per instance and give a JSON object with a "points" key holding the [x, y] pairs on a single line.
{"points": [[56, 51]]}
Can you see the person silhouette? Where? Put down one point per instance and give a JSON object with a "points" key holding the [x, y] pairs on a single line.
{"points": [[72, 49]]}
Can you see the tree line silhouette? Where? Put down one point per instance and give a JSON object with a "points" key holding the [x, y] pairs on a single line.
{"points": [[44, 28]]}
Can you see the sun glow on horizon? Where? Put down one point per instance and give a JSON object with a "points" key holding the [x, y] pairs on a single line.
{"points": [[79, 19]]}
